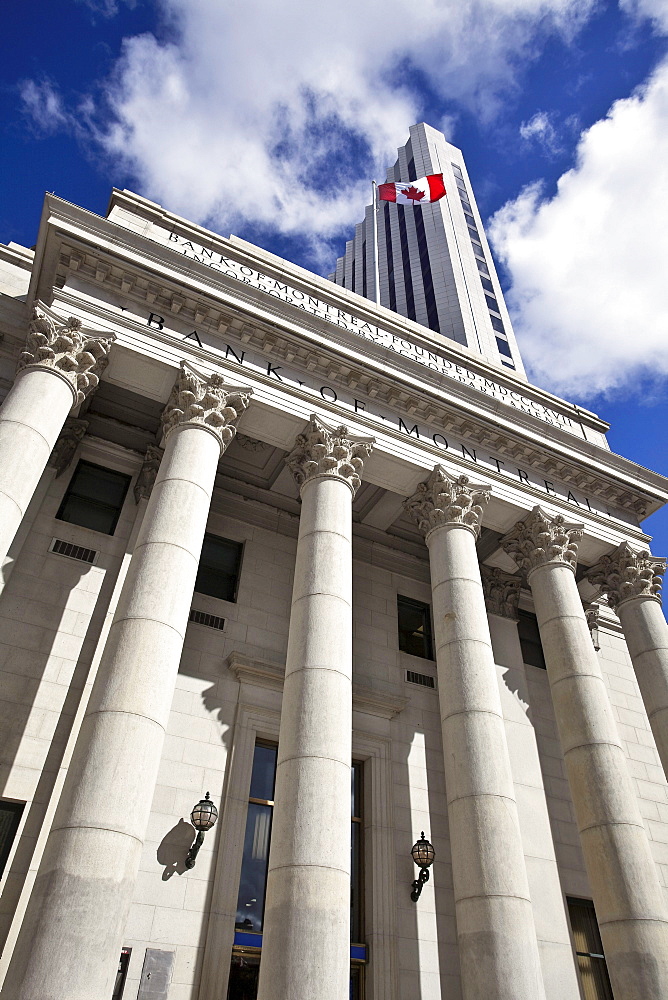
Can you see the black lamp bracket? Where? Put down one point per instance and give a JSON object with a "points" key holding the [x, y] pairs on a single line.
{"points": [[418, 883], [194, 851]]}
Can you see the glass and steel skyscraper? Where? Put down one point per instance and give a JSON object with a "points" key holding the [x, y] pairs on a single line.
{"points": [[434, 261]]}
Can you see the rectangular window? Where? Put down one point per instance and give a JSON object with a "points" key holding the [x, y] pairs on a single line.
{"points": [[250, 904], [503, 346], [589, 950], [94, 498], [497, 324], [456, 169], [529, 634], [492, 303], [478, 251], [10, 817], [245, 967], [465, 204], [487, 284], [356, 893], [219, 564], [482, 267], [469, 218], [414, 620]]}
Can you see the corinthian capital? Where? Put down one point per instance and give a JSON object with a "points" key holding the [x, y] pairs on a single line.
{"points": [[328, 451], [540, 539], [63, 347], [625, 574], [501, 590], [205, 401], [443, 500]]}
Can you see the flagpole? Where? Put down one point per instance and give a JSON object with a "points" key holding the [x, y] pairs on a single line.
{"points": [[376, 272]]}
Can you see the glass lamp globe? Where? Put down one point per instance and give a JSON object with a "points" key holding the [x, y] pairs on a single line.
{"points": [[204, 815], [423, 853]]}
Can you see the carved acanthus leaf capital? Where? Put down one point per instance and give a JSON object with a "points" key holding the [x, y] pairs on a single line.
{"points": [[442, 500], [63, 347], [626, 573], [501, 590], [148, 472], [65, 447], [540, 539], [329, 451], [205, 400]]}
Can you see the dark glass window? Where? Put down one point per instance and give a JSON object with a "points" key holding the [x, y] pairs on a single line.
{"points": [[390, 257], [532, 648], [245, 967], [469, 218], [477, 250], [219, 564], [465, 204], [482, 266], [425, 267], [497, 324], [487, 284], [94, 498], [10, 817], [121, 973], [589, 950], [250, 904], [364, 268], [503, 346], [492, 303], [456, 169], [356, 928], [473, 233], [414, 619], [460, 184], [406, 263]]}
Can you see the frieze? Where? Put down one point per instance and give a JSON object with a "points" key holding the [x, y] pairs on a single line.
{"points": [[425, 420], [433, 360]]}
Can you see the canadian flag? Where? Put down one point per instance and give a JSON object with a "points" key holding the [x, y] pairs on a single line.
{"points": [[419, 192]]}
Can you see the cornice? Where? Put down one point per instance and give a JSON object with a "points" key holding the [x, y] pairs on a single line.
{"points": [[547, 457]]}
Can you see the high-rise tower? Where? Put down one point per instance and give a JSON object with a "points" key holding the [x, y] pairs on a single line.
{"points": [[434, 261]]}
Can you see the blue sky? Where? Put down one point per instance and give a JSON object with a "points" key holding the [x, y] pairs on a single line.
{"points": [[560, 108]]}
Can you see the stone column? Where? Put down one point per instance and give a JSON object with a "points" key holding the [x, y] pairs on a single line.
{"points": [[306, 940], [70, 941], [632, 581], [59, 366], [628, 898], [495, 927]]}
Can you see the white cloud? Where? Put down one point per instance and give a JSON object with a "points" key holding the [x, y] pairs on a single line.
{"points": [[588, 265], [277, 115], [539, 129], [43, 103]]}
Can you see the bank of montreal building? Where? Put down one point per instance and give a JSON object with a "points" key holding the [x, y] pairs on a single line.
{"points": [[352, 575]]}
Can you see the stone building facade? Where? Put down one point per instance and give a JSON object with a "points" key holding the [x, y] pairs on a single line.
{"points": [[257, 530]]}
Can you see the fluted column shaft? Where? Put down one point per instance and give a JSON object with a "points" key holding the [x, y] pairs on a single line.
{"points": [[57, 369], [646, 635], [627, 895], [70, 941], [498, 948], [306, 939], [632, 581]]}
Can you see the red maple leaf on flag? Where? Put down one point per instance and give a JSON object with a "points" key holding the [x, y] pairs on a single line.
{"points": [[413, 193]]}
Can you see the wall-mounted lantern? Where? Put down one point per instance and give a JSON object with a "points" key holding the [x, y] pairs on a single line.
{"points": [[203, 817], [423, 855]]}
